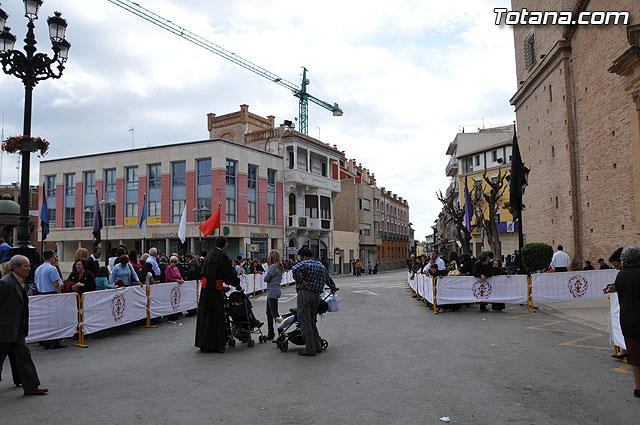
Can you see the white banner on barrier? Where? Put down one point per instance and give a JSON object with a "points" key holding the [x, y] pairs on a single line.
{"points": [[52, 316], [469, 289], [616, 336], [113, 307], [170, 298], [571, 286]]}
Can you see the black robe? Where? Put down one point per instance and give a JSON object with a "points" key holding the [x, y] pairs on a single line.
{"points": [[211, 332]]}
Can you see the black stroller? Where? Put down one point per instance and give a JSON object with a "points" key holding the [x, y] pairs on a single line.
{"points": [[295, 336], [242, 321]]}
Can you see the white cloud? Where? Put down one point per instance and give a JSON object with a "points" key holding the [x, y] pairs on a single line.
{"points": [[407, 74]]}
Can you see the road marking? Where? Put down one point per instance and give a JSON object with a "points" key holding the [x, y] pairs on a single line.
{"points": [[623, 369], [366, 292]]}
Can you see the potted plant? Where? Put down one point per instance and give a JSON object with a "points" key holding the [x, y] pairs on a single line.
{"points": [[19, 144]]}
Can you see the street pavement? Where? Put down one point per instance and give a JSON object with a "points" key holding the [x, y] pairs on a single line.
{"points": [[389, 361]]}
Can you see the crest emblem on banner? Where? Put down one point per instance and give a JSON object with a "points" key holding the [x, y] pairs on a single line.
{"points": [[578, 286], [175, 298], [482, 290], [118, 305]]}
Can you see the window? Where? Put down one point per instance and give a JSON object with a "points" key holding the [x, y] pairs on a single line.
{"points": [[89, 182], [178, 207], [290, 159], [494, 155], [366, 204], [109, 215], [467, 165], [88, 216], [203, 215], [51, 213], [154, 209], [70, 184], [69, 217], [252, 177], [155, 177], [252, 183], [252, 212], [230, 179], [178, 173], [131, 209], [529, 51], [109, 181], [478, 160], [204, 171], [477, 189], [292, 204], [325, 207], [131, 174], [51, 186], [302, 160], [311, 206], [365, 230], [271, 197]]}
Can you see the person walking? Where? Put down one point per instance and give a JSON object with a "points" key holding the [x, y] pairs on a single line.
{"points": [[273, 277], [370, 267], [14, 324], [217, 276], [627, 286], [311, 277], [560, 261]]}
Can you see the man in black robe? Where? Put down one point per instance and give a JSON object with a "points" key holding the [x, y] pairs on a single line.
{"points": [[217, 276]]}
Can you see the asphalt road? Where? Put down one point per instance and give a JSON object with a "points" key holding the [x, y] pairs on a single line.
{"points": [[389, 361]]}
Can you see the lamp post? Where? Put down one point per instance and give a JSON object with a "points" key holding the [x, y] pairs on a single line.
{"points": [[106, 205], [200, 211], [31, 68]]}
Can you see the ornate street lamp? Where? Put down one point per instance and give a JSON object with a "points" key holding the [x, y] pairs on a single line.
{"points": [[31, 68]]}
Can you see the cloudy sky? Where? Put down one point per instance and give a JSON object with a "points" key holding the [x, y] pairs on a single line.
{"points": [[408, 74]]}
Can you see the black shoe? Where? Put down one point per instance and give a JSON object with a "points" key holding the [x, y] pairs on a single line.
{"points": [[302, 353], [271, 335], [636, 393]]}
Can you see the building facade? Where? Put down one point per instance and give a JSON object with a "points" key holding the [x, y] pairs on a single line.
{"points": [[310, 176], [393, 229], [577, 108], [472, 155], [245, 183]]}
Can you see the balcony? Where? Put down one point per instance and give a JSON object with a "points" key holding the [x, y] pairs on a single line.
{"points": [[304, 178], [452, 166], [319, 224]]}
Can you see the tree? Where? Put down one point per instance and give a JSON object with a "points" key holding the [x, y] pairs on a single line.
{"points": [[485, 207], [456, 215]]}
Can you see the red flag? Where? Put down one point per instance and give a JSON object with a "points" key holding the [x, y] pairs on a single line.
{"points": [[211, 224]]}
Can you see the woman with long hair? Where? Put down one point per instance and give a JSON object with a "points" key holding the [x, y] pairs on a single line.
{"points": [[273, 277]]}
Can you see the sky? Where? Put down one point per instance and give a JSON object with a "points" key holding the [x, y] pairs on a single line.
{"points": [[408, 75]]}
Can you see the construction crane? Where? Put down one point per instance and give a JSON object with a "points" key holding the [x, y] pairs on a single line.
{"points": [[298, 91]]}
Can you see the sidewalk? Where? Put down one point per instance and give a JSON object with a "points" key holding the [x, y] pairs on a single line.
{"points": [[594, 314]]}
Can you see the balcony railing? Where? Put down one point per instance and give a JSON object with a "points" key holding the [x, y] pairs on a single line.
{"points": [[452, 167]]}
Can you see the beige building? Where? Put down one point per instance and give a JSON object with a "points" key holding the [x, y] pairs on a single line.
{"points": [[359, 194], [577, 109], [309, 170]]}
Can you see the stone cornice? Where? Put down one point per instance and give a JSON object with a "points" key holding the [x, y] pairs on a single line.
{"points": [[560, 51]]}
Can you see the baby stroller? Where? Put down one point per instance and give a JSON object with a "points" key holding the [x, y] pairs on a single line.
{"points": [[295, 336], [242, 321]]}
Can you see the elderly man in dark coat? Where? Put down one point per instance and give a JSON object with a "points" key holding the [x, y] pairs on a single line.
{"points": [[217, 276], [14, 323]]}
